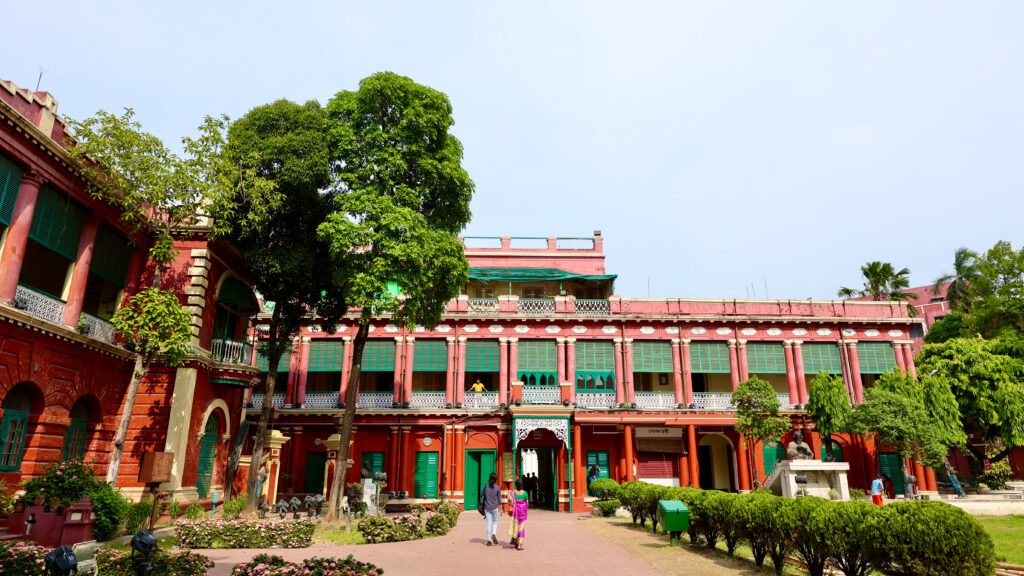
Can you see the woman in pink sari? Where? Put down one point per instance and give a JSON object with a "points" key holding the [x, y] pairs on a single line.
{"points": [[519, 501]]}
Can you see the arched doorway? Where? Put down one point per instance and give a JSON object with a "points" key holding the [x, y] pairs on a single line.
{"points": [[77, 439], [832, 451], [18, 405], [207, 457], [537, 455], [717, 463]]}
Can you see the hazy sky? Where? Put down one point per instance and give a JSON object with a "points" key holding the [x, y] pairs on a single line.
{"points": [[716, 144]]}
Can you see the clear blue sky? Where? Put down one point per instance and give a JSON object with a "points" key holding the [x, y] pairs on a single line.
{"points": [[716, 144]]}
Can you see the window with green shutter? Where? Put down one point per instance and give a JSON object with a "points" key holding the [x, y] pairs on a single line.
{"points": [[430, 356], [10, 181], [372, 461], [425, 484], [13, 429], [207, 457], [57, 223], [876, 357], [538, 362], [652, 356], [766, 358], [483, 356], [379, 356], [773, 452], [283, 365], [326, 355], [595, 365], [821, 357], [709, 358], [599, 457], [237, 295], [78, 431], [110, 256]]}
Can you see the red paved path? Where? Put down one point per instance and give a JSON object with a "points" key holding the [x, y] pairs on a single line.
{"points": [[555, 546]]}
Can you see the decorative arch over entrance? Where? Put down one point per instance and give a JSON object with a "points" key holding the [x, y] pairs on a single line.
{"points": [[523, 426]]}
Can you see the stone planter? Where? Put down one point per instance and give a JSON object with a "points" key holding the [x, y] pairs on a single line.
{"points": [[52, 529]]}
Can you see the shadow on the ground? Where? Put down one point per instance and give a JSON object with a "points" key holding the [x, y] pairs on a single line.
{"points": [[738, 565]]}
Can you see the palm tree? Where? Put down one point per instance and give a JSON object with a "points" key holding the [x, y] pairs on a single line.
{"points": [[882, 282], [965, 270]]}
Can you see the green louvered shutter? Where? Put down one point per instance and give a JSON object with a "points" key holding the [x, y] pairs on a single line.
{"points": [[876, 357], [599, 457], [595, 365], [74, 442], [373, 461], [12, 435], [57, 223], [773, 453], [10, 181], [379, 356], [283, 365], [766, 358], [207, 457], [425, 485], [326, 355], [889, 464], [233, 291], [652, 356], [110, 256], [430, 356], [482, 356], [709, 358], [538, 362], [821, 357]]}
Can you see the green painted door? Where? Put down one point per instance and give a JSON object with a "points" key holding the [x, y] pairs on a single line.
{"points": [[479, 466], [425, 485], [372, 461], [316, 463], [889, 463], [773, 453], [599, 457], [835, 449], [207, 456]]}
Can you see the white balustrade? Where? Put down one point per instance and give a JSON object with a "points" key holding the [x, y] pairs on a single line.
{"points": [[231, 351], [39, 305], [321, 400], [595, 399], [541, 395], [483, 306], [713, 400], [257, 400], [784, 400], [375, 400], [99, 329], [587, 307], [536, 306], [655, 400], [480, 400], [428, 400]]}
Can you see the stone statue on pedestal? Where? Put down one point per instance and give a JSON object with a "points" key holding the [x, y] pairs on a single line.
{"points": [[798, 449]]}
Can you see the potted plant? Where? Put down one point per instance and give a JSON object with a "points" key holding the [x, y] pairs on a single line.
{"points": [[83, 326]]}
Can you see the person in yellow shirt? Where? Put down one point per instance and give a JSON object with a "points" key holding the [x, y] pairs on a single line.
{"points": [[478, 386]]}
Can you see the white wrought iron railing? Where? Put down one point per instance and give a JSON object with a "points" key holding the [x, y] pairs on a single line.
{"points": [[655, 400], [784, 400], [480, 400], [536, 306], [257, 400], [231, 351], [541, 395], [428, 400], [713, 400], [321, 400], [38, 304], [589, 307], [595, 399], [483, 306], [375, 400], [99, 329]]}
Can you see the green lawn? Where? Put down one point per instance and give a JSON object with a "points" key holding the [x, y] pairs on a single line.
{"points": [[1007, 534], [326, 534]]}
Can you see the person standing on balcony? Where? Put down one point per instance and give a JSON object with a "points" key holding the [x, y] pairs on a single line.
{"points": [[492, 505], [478, 387]]}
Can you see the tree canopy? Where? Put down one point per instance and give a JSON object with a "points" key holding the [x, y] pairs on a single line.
{"points": [[881, 282], [757, 411], [828, 406]]}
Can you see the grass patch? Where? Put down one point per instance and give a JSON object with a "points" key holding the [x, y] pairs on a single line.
{"points": [[326, 534], [165, 543], [1007, 534]]}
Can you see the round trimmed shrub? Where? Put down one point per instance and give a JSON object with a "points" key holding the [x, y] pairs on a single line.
{"points": [[650, 494], [926, 538], [719, 510], [109, 508], [810, 547], [753, 514], [841, 530], [629, 495], [607, 507], [604, 489]]}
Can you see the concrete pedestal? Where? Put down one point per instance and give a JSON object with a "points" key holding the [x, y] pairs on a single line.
{"points": [[369, 495], [822, 479]]}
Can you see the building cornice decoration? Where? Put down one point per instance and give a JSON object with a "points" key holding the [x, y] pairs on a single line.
{"points": [[558, 426]]}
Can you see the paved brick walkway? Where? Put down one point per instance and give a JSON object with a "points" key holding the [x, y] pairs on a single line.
{"points": [[556, 545]]}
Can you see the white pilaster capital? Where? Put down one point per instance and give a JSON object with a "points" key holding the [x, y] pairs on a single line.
{"points": [[741, 343], [570, 340], [685, 341], [503, 340], [462, 339], [852, 343], [399, 339], [797, 343], [560, 340], [617, 341], [410, 338], [675, 342], [628, 340], [346, 338], [450, 338], [732, 342], [513, 340]]}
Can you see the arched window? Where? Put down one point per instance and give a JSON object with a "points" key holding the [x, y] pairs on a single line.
{"points": [[17, 406], [78, 432], [207, 457]]}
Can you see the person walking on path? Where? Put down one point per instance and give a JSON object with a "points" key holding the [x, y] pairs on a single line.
{"points": [[519, 501], [492, 506], [877, 487]]}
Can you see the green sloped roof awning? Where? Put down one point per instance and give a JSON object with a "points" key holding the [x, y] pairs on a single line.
{"points": [[234, 292], [531, 275]]}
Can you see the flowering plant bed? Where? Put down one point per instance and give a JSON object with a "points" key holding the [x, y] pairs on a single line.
{"points": [[29, 560], [245, 533], [271, 565]]}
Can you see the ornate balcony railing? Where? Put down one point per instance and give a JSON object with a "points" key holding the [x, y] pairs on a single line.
{"points": [[39, 305], [321, 400], [428, 400], [257, 400], [99, 329], [713, 400], [541, 395], [483, 306], [536, 306], [784, 400], [655, 400], [595, 399], [589, 307], [231, 351], [375, 400], [480, 400]]}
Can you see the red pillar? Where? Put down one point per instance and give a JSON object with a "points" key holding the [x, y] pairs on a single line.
{"points": [[459, 455], [691, 450], [734, 364], [858, 383], [403, 459], [410, 353], [741, 353], [801, 378], [570, 367], [17, 234], [794, 394], [393, 458], [628, 373], [449, 379], [627, 440], [922, 481], [513, 362], [908, 356], [620, 383], [929, 475], [742, 464], [898, 352], [560, 347], [677, 372], [346, 366], [302, 371], [396, 382], [80, 273], [503, 378], [579, 473], [460, 378], [687, 374]]}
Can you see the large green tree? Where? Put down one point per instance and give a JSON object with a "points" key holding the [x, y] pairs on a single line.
{"points": [[828, 406], [289, 262], [965, 271], [881, 282], [161, 193], [402, 197], [758, 415], [997, 293]]}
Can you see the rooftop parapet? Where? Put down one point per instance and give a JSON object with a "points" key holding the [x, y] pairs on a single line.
{"points": [[580, 255]]}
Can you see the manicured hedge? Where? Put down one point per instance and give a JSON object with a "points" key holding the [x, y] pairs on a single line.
{"points": [[919, 538], [604, 489], [245, 533], [413, 526], [272, 565]]}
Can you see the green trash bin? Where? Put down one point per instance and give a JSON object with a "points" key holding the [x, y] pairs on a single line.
{"points": [[674, 518]]}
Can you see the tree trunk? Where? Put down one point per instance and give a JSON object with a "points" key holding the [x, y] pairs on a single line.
{"points": [[141, 367], [347, 419], [256, 461]]}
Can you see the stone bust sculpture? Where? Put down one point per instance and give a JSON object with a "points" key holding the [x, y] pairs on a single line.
{"points": [[798, 449]]}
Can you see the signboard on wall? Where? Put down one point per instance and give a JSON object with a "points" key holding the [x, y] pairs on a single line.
{"points": [[508, 472], [659, 432]]}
